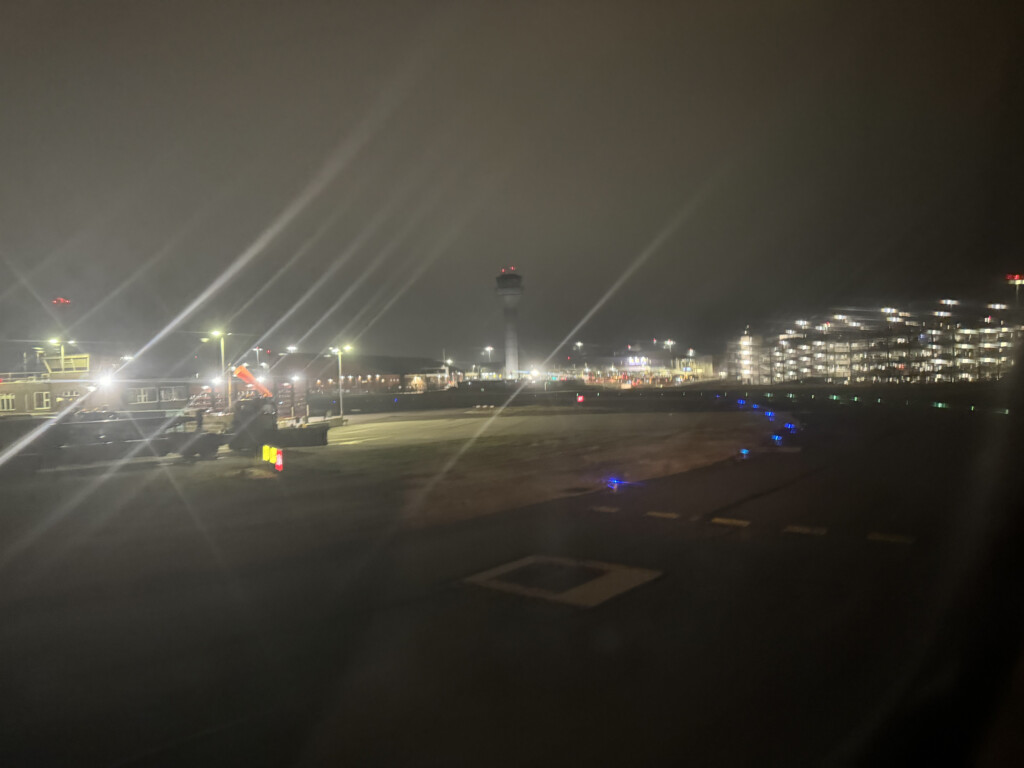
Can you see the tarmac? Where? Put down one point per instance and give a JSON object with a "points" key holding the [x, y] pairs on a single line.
{"points": [[777, 610]]}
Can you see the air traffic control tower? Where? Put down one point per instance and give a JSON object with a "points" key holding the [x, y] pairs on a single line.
{"points": [[510, 288]]}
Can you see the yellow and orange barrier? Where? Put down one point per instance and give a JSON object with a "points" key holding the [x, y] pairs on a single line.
{"points": [[274, 455]]}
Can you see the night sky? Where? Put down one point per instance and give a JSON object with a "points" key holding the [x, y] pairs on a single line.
{"points": [[782, 157]]}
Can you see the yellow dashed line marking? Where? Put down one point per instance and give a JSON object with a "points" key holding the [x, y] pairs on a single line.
{"points": [[807, 530], [735, 522], [891, 538], [605, 509], [665, 515]]}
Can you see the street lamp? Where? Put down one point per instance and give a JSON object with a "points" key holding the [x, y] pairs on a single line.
{"points": [[223, 366], [339, 350], [59, 343], [488, 350], [1016, 280]]}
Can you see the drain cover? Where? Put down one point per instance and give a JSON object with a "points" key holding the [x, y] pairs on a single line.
{"points": [[583, 583]]}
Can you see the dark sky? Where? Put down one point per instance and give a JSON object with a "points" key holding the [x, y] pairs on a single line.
{"points": [[809, 154]]}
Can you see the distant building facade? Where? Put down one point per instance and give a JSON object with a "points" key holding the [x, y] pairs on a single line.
{"points": [[946, 342], [86, 381]]}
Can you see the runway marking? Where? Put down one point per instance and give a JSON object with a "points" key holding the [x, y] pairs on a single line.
{"points": [[604, 509], [733, 521], [891, 538], [664, 515], [805, 529], [600, 581]]}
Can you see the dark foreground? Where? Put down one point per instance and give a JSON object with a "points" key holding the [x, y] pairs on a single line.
{"points": [[805, 608]]}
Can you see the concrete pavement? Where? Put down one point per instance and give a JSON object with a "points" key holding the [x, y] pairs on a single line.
{"points": [[778, 638]]}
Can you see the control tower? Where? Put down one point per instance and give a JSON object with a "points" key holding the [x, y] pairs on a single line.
{"points": [[510, 288]]}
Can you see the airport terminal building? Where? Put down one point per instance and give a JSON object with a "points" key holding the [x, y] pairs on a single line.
{"points": [[51, 382]]}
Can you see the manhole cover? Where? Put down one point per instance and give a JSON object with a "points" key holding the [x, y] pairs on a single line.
{"points": [[583, 583]]}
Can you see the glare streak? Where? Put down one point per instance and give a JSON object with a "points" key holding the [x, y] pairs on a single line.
{"points": [[659, 240], [336, 162], [353, 248], [409, 186], [451, 235], [20, 545], [386, 252], [303, 249], [668, 231], [20, 279], [175, 239], [376, 263]]}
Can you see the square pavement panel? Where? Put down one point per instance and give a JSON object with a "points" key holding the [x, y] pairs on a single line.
{"points": [[583, 583]]}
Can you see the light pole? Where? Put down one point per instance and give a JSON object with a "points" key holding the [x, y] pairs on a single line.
{"points": [[59, 343], [223, 366], [339, 350], [488, 350], [1016, 280], [257, 351]]}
